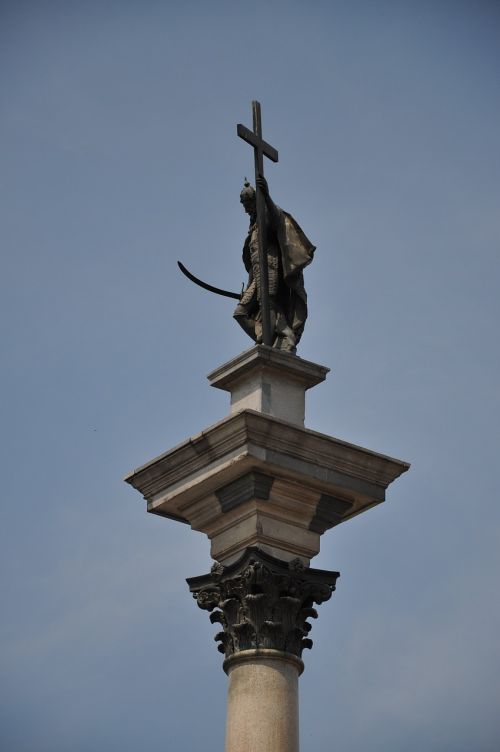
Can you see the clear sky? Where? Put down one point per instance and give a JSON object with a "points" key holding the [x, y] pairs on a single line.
{"points": [[119, 156]]}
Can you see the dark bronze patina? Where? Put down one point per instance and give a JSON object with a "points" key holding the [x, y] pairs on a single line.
{"points": [[263, 602], [272, 308], [260, 148], [206, 286]]}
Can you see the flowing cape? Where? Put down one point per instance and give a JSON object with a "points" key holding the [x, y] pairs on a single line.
{"points": [[297, 252]]}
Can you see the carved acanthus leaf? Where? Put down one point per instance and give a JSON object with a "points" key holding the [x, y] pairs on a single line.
{"points": [[263, 602]]}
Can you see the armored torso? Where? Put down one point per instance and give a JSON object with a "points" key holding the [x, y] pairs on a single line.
{"points": [[252, 243]]}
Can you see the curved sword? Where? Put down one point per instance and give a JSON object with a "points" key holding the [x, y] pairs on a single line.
{"points": [[205, 286]]}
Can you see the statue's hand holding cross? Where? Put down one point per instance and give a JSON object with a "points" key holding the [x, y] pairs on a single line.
{"points": [[261, 149]]}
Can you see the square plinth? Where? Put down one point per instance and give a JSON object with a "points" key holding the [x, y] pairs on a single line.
{"points": [[255, 480], [269, 381]]}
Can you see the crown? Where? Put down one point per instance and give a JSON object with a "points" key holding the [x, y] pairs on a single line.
{"points": [[248, 192]]}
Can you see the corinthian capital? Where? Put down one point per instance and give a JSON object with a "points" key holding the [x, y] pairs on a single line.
{"points": [[263, 602]]}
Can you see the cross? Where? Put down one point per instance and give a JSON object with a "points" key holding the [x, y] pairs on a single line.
{"points": [[261, 148]]}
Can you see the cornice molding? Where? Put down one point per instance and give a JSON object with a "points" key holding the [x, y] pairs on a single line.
{"points": [[324, 460]]}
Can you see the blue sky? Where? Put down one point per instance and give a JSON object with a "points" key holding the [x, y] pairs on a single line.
{"points": [[119, 156]]}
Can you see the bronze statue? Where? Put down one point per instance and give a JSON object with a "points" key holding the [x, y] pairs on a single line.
{"points": [[272, 309], [287, 252]]}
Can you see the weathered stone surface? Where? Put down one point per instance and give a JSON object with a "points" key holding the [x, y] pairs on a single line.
{"points": [[255, 480], [330, 510], [269, 381], [262, 602], [253, 485], [262, 702]]}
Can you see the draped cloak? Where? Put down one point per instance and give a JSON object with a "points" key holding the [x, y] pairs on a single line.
{"points": [[294, 252]]}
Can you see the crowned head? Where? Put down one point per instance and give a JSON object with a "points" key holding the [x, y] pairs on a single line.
{"points": [[247, 198]]}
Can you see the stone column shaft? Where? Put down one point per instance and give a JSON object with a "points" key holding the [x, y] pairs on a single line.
{"points": [[262, 702]]}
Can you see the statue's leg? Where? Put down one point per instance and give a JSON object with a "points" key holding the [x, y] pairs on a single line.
{"points": [[259, 335], [288, 339], [285, 338], [241, 314], [248, 326], [272, 320]]}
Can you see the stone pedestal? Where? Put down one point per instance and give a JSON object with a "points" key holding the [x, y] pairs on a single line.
{"points": [[256, 479], [269, 381], [264, 488]]}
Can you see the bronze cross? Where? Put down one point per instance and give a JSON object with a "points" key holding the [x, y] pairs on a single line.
{"points": [[260, 148]]}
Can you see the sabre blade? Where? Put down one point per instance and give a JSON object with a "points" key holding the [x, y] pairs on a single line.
{"points": [[205, 285]]}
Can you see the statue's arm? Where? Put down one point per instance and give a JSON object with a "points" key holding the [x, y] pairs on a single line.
{"points": [[272, 210]]}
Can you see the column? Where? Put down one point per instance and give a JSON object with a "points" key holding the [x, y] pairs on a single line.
{"points": [[263, 701], [263, 605]]}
